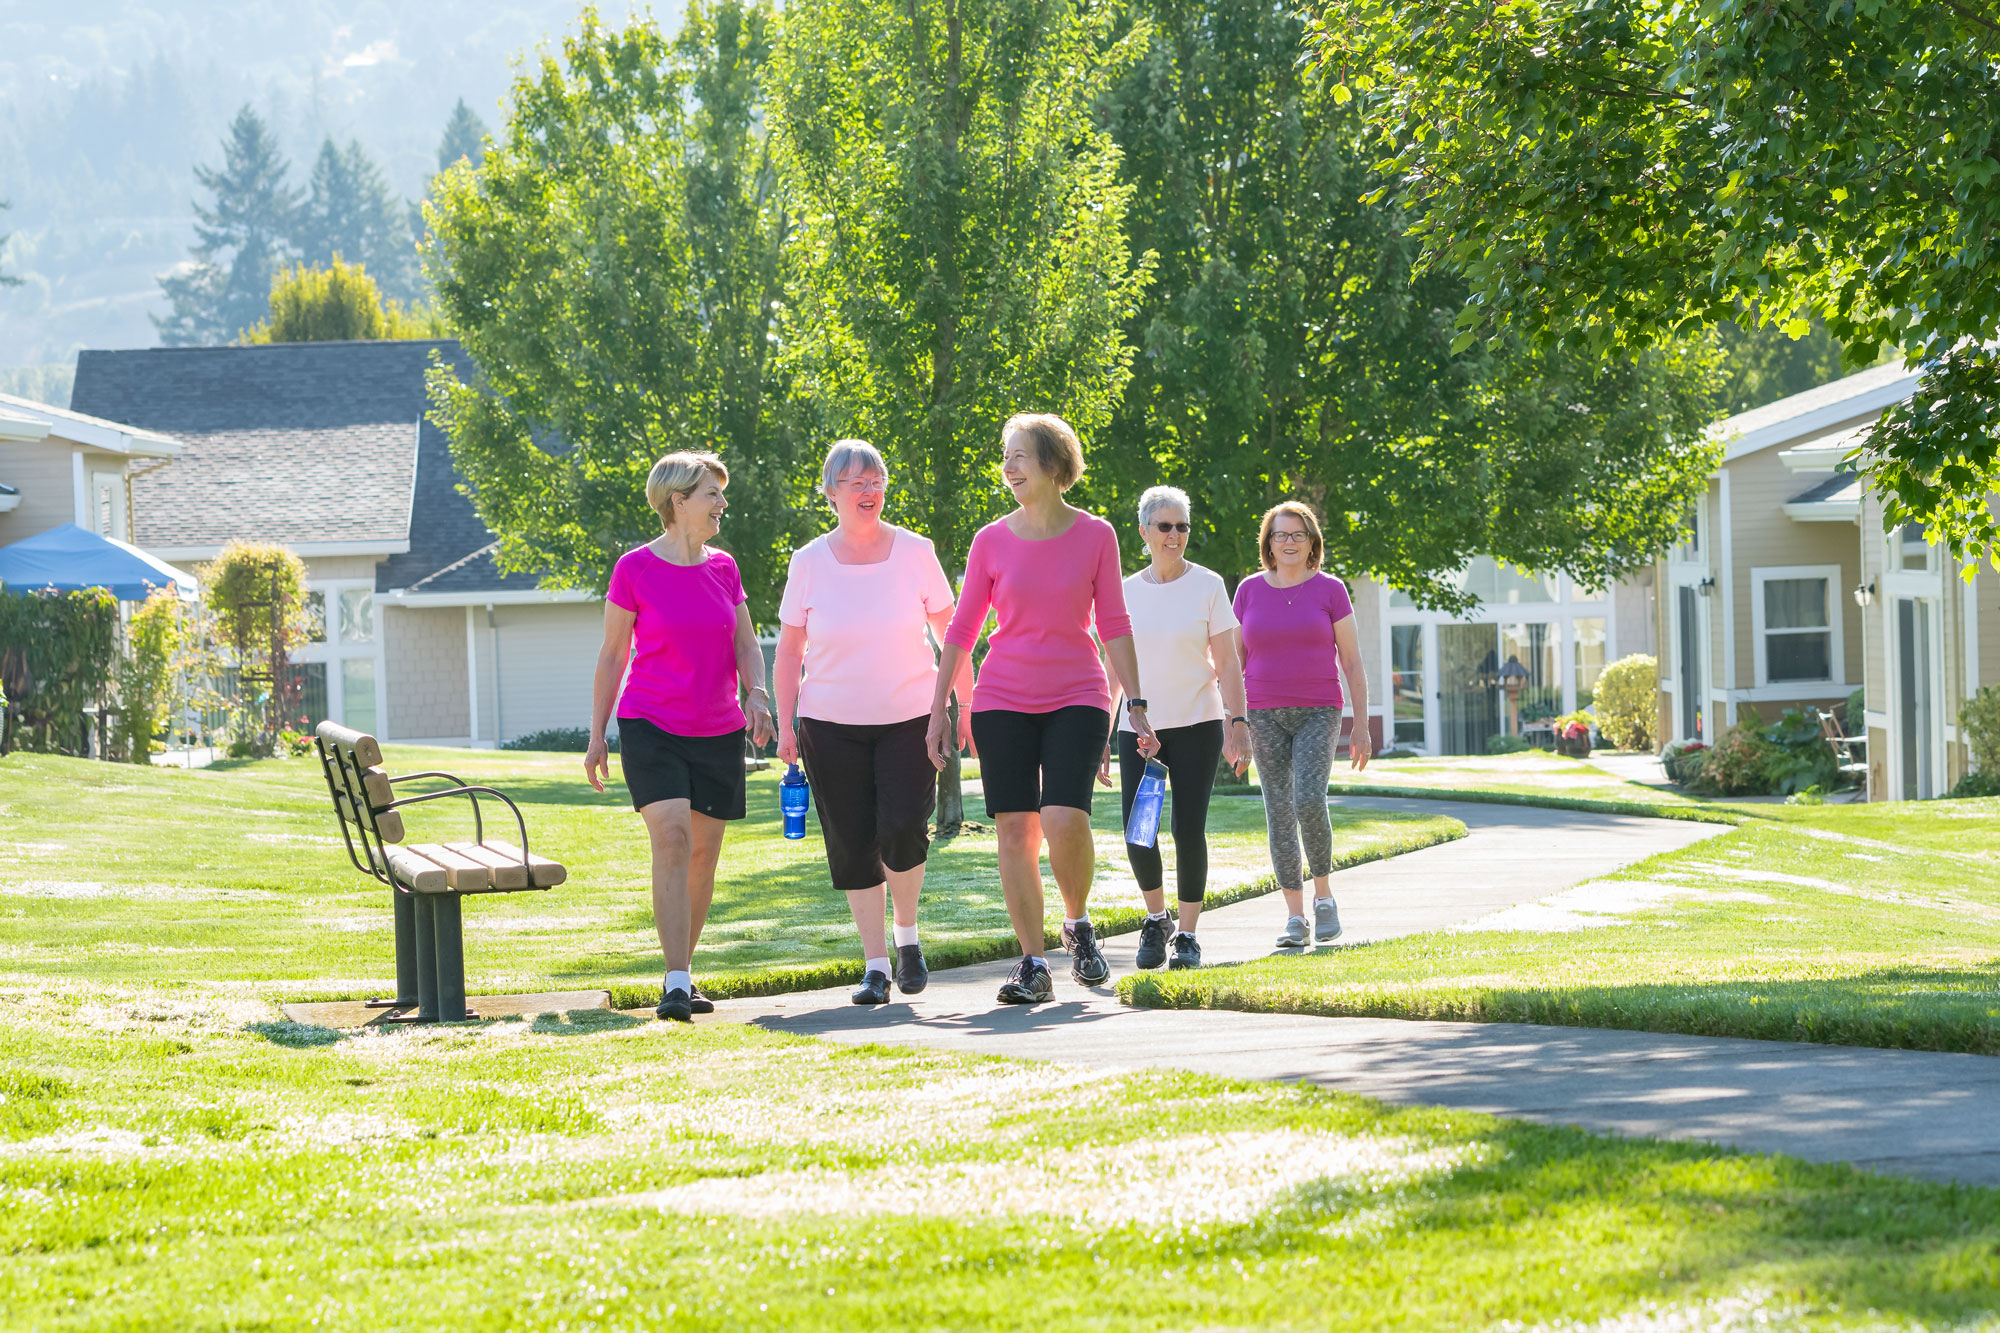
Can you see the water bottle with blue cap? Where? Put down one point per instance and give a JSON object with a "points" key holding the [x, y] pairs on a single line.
{"points": [[1143, 828], [794, 798]]}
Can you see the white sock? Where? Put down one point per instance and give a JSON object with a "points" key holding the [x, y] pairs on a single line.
{"points": [[1037, 958], [680, 981], [877, 965], [1160, 915], [1074, 921], [905, 936]]}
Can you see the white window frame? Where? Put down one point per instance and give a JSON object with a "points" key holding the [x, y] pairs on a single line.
{"points": [[335, 650], [1837, 649]]}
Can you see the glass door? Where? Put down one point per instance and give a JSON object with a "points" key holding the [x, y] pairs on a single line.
{"points": [[1468, 674], [1688, 674], [1406, 685], [1916, 703]]}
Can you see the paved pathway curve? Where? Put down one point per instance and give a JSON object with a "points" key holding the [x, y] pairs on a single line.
{"points": [[1909, 1112]]}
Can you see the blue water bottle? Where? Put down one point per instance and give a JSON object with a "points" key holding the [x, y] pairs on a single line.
{"points": [[1143, 828], [795, 798]]}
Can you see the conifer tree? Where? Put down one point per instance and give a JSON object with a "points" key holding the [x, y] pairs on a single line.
{"points": [[243, 237], [464, 138], [350, 211]]}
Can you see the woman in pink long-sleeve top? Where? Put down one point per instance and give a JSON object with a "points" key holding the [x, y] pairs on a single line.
{"points": [[1041, 709]]}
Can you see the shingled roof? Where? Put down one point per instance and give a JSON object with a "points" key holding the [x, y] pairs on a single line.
{"points": [[315, 445]]}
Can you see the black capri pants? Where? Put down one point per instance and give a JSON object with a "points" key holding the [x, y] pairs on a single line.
{"points": [[1190, 755], [875, 789], [1029, 760]]}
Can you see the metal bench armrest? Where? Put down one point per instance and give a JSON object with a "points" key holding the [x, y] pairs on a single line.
{"points": [[468, 792], [478, 824]]}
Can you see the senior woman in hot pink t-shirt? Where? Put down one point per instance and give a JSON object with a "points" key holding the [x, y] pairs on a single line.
{"points": [[677, 634], [1041, 710], [856, 604]]}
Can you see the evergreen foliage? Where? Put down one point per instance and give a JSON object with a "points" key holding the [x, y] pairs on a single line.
{"points": [[613, 267], [243, 238], [349, 211], [6, 279], [338, 303], [58, 652], [464, 138]]}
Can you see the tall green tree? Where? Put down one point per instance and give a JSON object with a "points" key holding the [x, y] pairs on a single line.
{"points": [[1291, 350], [613, 268], [350, 211], [464, 138], [338, 303], [1613, 172], [963, 254], [243, 237]]}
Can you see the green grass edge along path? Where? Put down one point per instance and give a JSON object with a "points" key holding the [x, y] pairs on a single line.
{"points": [[236, 876], [1867, 925]]}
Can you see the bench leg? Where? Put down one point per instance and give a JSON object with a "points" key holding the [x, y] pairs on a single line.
{"points": [[426, 934], [450, 968], [406, 954]]}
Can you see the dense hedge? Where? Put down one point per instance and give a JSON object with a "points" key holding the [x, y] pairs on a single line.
{"points": [[58, 653]]}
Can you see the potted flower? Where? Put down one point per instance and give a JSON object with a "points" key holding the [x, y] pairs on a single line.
{"points": [[1683, 761], [1572, 733]]}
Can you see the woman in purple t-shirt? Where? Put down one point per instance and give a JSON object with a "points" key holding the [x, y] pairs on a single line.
{"points": [[1296, 620], [675, 616]]}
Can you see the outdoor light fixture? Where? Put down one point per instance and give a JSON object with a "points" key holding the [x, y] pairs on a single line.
{"points": [[10, 498], [1706, 587], [1864, 594]]}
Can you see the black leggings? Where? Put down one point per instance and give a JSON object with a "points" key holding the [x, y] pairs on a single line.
{"points": [[1190, 755]]}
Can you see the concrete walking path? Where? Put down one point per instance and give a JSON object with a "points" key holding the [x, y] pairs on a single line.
{"points": [[1908, 1112]]}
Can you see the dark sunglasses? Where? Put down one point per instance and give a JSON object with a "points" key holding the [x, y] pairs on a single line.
{"points": [[1173, 527]]}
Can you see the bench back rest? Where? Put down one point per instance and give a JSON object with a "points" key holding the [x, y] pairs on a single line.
{"points": [[355, 779]]}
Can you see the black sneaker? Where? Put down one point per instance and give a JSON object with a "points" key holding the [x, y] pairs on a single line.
{"points": [[874, 989], [1086, 960], [1153, 936], [1187, 953], [674, 1005], [698, 1002], [911, 974], [1029, 984]]}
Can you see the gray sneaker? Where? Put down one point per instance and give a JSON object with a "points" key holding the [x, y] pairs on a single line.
{"points": [[1326, 920], [1296, 934], [1187, 952]]}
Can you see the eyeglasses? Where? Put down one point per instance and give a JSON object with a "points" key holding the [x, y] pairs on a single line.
{"points": [[872, 481], [1172, 527], [1289, 536]]}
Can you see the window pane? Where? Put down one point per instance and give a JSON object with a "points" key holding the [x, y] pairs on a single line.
{"points": [[1589, 657], [1533, 649], [316, 617], [1485, 579], [1799, 656], [357, 615], [1914, 547], [311, 677], [1406, 666], [357, 685], [1795, 604]]}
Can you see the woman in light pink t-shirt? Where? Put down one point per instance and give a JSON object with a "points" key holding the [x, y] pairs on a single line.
{"points": [[856, 605]]}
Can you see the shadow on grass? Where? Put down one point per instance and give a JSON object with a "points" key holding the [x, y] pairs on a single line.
{"points": [[297, 1036], [1898, 1008]]}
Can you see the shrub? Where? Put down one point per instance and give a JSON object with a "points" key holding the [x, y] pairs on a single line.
{"points": [[1683, 760], [566, 740], [258, 596], [1787, 756], [58, 652], [1507, 744], [1627, 702], [1976, 784], [1979, 724], [1855, 722], [145, 679]]}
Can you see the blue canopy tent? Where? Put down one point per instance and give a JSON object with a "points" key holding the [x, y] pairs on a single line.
{"points": [[70, 559]]}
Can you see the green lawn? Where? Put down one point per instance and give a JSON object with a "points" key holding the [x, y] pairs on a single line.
{"points": [[1873, 925], [184, 1161], [1530, 777], [236, 875]]}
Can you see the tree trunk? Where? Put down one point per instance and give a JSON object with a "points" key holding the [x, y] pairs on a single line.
{"points": [[951, 788]]}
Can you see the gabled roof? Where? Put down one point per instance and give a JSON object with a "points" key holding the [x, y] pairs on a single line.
{"points": [[325, 447], [1815, 411], [114, 436]]}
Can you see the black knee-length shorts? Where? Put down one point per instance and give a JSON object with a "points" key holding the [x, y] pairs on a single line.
{"points": [[875, 788], [704, 771], [1029, 760]]}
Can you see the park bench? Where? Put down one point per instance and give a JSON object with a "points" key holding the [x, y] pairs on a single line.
{"points": [[426, 880]]}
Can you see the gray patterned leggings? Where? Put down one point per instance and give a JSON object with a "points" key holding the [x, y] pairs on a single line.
{"points": [[1294, 749]]}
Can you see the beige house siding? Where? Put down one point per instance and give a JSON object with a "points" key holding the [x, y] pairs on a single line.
{"points": [[547, 655], [424, 649], [1369, 598], [1763, 537], [45, 476], [324, 568]]}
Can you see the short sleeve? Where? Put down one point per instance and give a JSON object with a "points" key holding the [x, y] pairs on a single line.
{"points": [[620, 593], [1239, 603], [1338, 605], [732, 581], [1221, 613], [937, 592], [792, 606]]}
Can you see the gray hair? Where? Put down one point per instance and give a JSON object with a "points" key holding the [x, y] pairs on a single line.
{"points": [[1153, 500], [844, 455]]}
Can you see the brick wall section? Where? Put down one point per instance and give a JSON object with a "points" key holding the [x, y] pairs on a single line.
{"points": [[424, 652]]}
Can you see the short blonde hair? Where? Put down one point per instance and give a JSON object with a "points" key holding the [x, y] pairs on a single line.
{"points": [[677, 475], [1303, 512], [1057, 449], [845, 454]]}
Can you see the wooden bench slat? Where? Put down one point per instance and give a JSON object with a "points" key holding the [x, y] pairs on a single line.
{"points": [[365, 747], [464, 873], [547, 873], [507, 873], [376, 787], [419, 873]]}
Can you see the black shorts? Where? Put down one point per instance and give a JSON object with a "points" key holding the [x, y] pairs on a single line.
{"points": [[875, 789], [1029, 760], [704, 771]]}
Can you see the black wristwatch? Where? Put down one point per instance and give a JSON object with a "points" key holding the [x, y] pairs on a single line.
{"points": [[1131, 704], [1240, 718]]}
